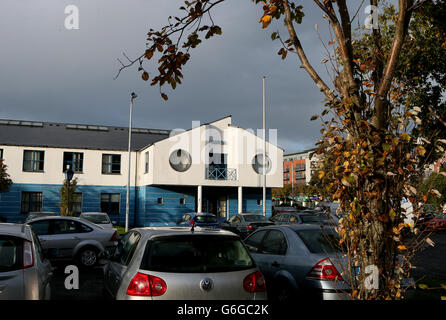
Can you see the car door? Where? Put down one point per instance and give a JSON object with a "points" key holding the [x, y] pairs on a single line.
{"points": [[271, 254], [63, 238], [120, 260]]}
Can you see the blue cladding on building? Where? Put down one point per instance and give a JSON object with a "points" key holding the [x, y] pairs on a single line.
{"points": [[175, 201]]}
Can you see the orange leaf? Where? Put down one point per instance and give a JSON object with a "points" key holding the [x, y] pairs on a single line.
{"points": [[266, 21], [402, 247], [164, 96], [145, 76]]}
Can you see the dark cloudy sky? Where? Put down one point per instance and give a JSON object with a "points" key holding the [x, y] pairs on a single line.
{"points": [[49, 73]]}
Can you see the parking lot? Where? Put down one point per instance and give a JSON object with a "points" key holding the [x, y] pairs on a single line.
{"points": [[430, 264]]}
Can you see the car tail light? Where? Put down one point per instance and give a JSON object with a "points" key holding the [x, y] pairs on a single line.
{"points": [[324, 270], [114, 236], [249, 227], [28, 255], [146, 285], [254, 282]]}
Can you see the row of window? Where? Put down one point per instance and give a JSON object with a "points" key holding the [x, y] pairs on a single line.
{"points": [[33, 161], [110, 202]]}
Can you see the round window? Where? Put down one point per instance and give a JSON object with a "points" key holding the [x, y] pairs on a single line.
{"points": [[180, 160], [258, 166]]}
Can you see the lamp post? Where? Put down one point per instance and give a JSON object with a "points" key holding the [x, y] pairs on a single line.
{"points": [[133, 96], [68, 176]]}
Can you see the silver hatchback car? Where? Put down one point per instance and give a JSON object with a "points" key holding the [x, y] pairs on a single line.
{"points": [[181, 263], [24, 273], [70, 238]]}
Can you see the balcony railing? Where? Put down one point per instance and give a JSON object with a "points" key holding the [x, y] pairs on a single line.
{"points": [[221, 174]]}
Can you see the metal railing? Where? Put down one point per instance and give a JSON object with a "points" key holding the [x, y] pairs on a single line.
{"points": [[221, 174]]}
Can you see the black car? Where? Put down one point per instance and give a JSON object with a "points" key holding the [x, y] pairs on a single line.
{"points": [[245, 223], [304, 217]]}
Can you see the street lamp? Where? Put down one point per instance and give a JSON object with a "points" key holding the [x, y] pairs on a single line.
{"points": [[68, 176], [133, 96]]}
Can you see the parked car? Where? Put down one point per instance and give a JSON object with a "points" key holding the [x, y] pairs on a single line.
{"points": [[36, 214], [282, 209], [302, 217], [24, 272], [202, 219], [100, 218], [299, 261], [71, 238], [177, 263], [436, 223], [245, 223]]}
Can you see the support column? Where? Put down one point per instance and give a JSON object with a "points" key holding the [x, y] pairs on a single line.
{"points": [[199, 197], [240, 200]]}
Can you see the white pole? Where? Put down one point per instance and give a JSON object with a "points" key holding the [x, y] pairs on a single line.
{"points": [[199, 200], [240, 199], [264, 150], [133, 96]]}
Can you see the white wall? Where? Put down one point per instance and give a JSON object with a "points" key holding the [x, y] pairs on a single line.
{"points": [[53, 167]]}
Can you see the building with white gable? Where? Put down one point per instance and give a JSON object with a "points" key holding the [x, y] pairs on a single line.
{"points": [[214, 167]]}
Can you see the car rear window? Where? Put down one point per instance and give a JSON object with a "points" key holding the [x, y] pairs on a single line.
{"points": [[254, 218], [97, 218], [320, 241], [206, 219], [10, 253], [312, 218], [196, 254]]}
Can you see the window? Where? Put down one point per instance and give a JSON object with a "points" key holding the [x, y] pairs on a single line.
{"points": [[160, 200], [318, 241], [129, 248], [274, 243], [259, 202], [33, 160], [74, 160], [64, 227], [31, 201], [11, 249], [254, 241], [146, 169], [111, 163], [1, 154], [182, 201], [110, 203], [197, 253], [41, 227]]}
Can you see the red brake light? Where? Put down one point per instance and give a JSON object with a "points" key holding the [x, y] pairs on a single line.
{"points": [[249, 227], [324, 270], [114, 236], [28, 255], [146, 285], [254, 282]]}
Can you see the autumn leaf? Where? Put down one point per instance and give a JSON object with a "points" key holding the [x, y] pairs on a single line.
{"points": [[145, 76], [266, 20], [402, 247], [423, 286], [321, 174], [164, 96], [421, 150]]}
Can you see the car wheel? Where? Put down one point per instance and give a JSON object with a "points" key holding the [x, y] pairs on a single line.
{"points": [[88, 257]]}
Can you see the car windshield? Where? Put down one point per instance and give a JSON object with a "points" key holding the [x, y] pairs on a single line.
{"points": [[197, 254], [96, 218], [10, 253], [255, 218], [206, 219], [320, 241]]}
